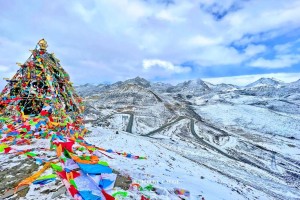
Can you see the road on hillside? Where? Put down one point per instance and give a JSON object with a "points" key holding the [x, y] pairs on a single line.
{"points": [[236, 157], [130, 123], [164, 126], [202, 141]]}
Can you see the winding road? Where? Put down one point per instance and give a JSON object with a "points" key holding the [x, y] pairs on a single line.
{"points": [[164, 126], [130, 123]]}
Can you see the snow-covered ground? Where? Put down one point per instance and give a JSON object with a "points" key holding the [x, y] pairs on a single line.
{"points": [[255, 118], [216, 141], [167, 169], [247, 135], [172, 162]]}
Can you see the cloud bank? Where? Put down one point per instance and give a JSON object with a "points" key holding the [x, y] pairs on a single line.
{"points": [[100, 40]]}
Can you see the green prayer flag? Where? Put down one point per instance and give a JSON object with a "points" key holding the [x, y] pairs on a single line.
{"points": [[2, 147], [30, 154], [72, 182], [56, 167], [46, 177], [120, 193], [103, 163]]}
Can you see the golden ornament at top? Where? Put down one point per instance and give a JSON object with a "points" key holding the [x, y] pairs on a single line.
{"points": [[43, 44]]}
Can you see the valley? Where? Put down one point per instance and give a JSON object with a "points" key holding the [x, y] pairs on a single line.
{"points": [[250, 135]]}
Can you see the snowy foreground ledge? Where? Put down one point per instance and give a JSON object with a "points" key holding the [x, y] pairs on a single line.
{"points": [[168, 166]]}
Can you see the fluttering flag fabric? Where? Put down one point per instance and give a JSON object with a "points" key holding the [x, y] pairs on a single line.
{"points": [[94, 168], [32, 178], [45, 179], [40, 102]]}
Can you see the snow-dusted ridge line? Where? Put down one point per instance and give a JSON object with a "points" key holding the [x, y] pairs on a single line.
{"points": [[257, 127]]}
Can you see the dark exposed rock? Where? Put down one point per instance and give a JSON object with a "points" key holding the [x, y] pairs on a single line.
{"points": [[122, 181], [13, 171]]}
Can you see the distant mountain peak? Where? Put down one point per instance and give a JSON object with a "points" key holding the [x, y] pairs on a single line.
{"points": [[265, 82], [139, 78], [88, 85], [138, 81], [191, 87], [298, 81], [194, 83], [295, 84]]}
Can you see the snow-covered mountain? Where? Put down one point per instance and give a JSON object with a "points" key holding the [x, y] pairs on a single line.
{"points": [[129, 94], [267, 87], [191, 87], [295, 84], [291, 88], [138, 81], [265, 82], [215, 141], [90, 89], [160, 87], [223, 87], [246, 135]]}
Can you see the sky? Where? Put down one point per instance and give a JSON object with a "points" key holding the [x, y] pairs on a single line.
{"points": [[104, 41]]}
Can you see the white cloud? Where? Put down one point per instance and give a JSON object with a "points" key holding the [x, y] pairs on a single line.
{"points": [[168, 16], [286, 47], [253, 50], [168, 66], [201, 41], [283, 48], [120, 34], [258, 17], [281, 61], [219, 55]]}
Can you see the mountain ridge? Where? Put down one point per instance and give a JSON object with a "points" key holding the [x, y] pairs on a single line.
{"points": [[198, 87], [253, 132]]}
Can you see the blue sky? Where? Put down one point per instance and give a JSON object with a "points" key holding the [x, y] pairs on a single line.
{"points": [[234, 41]]}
